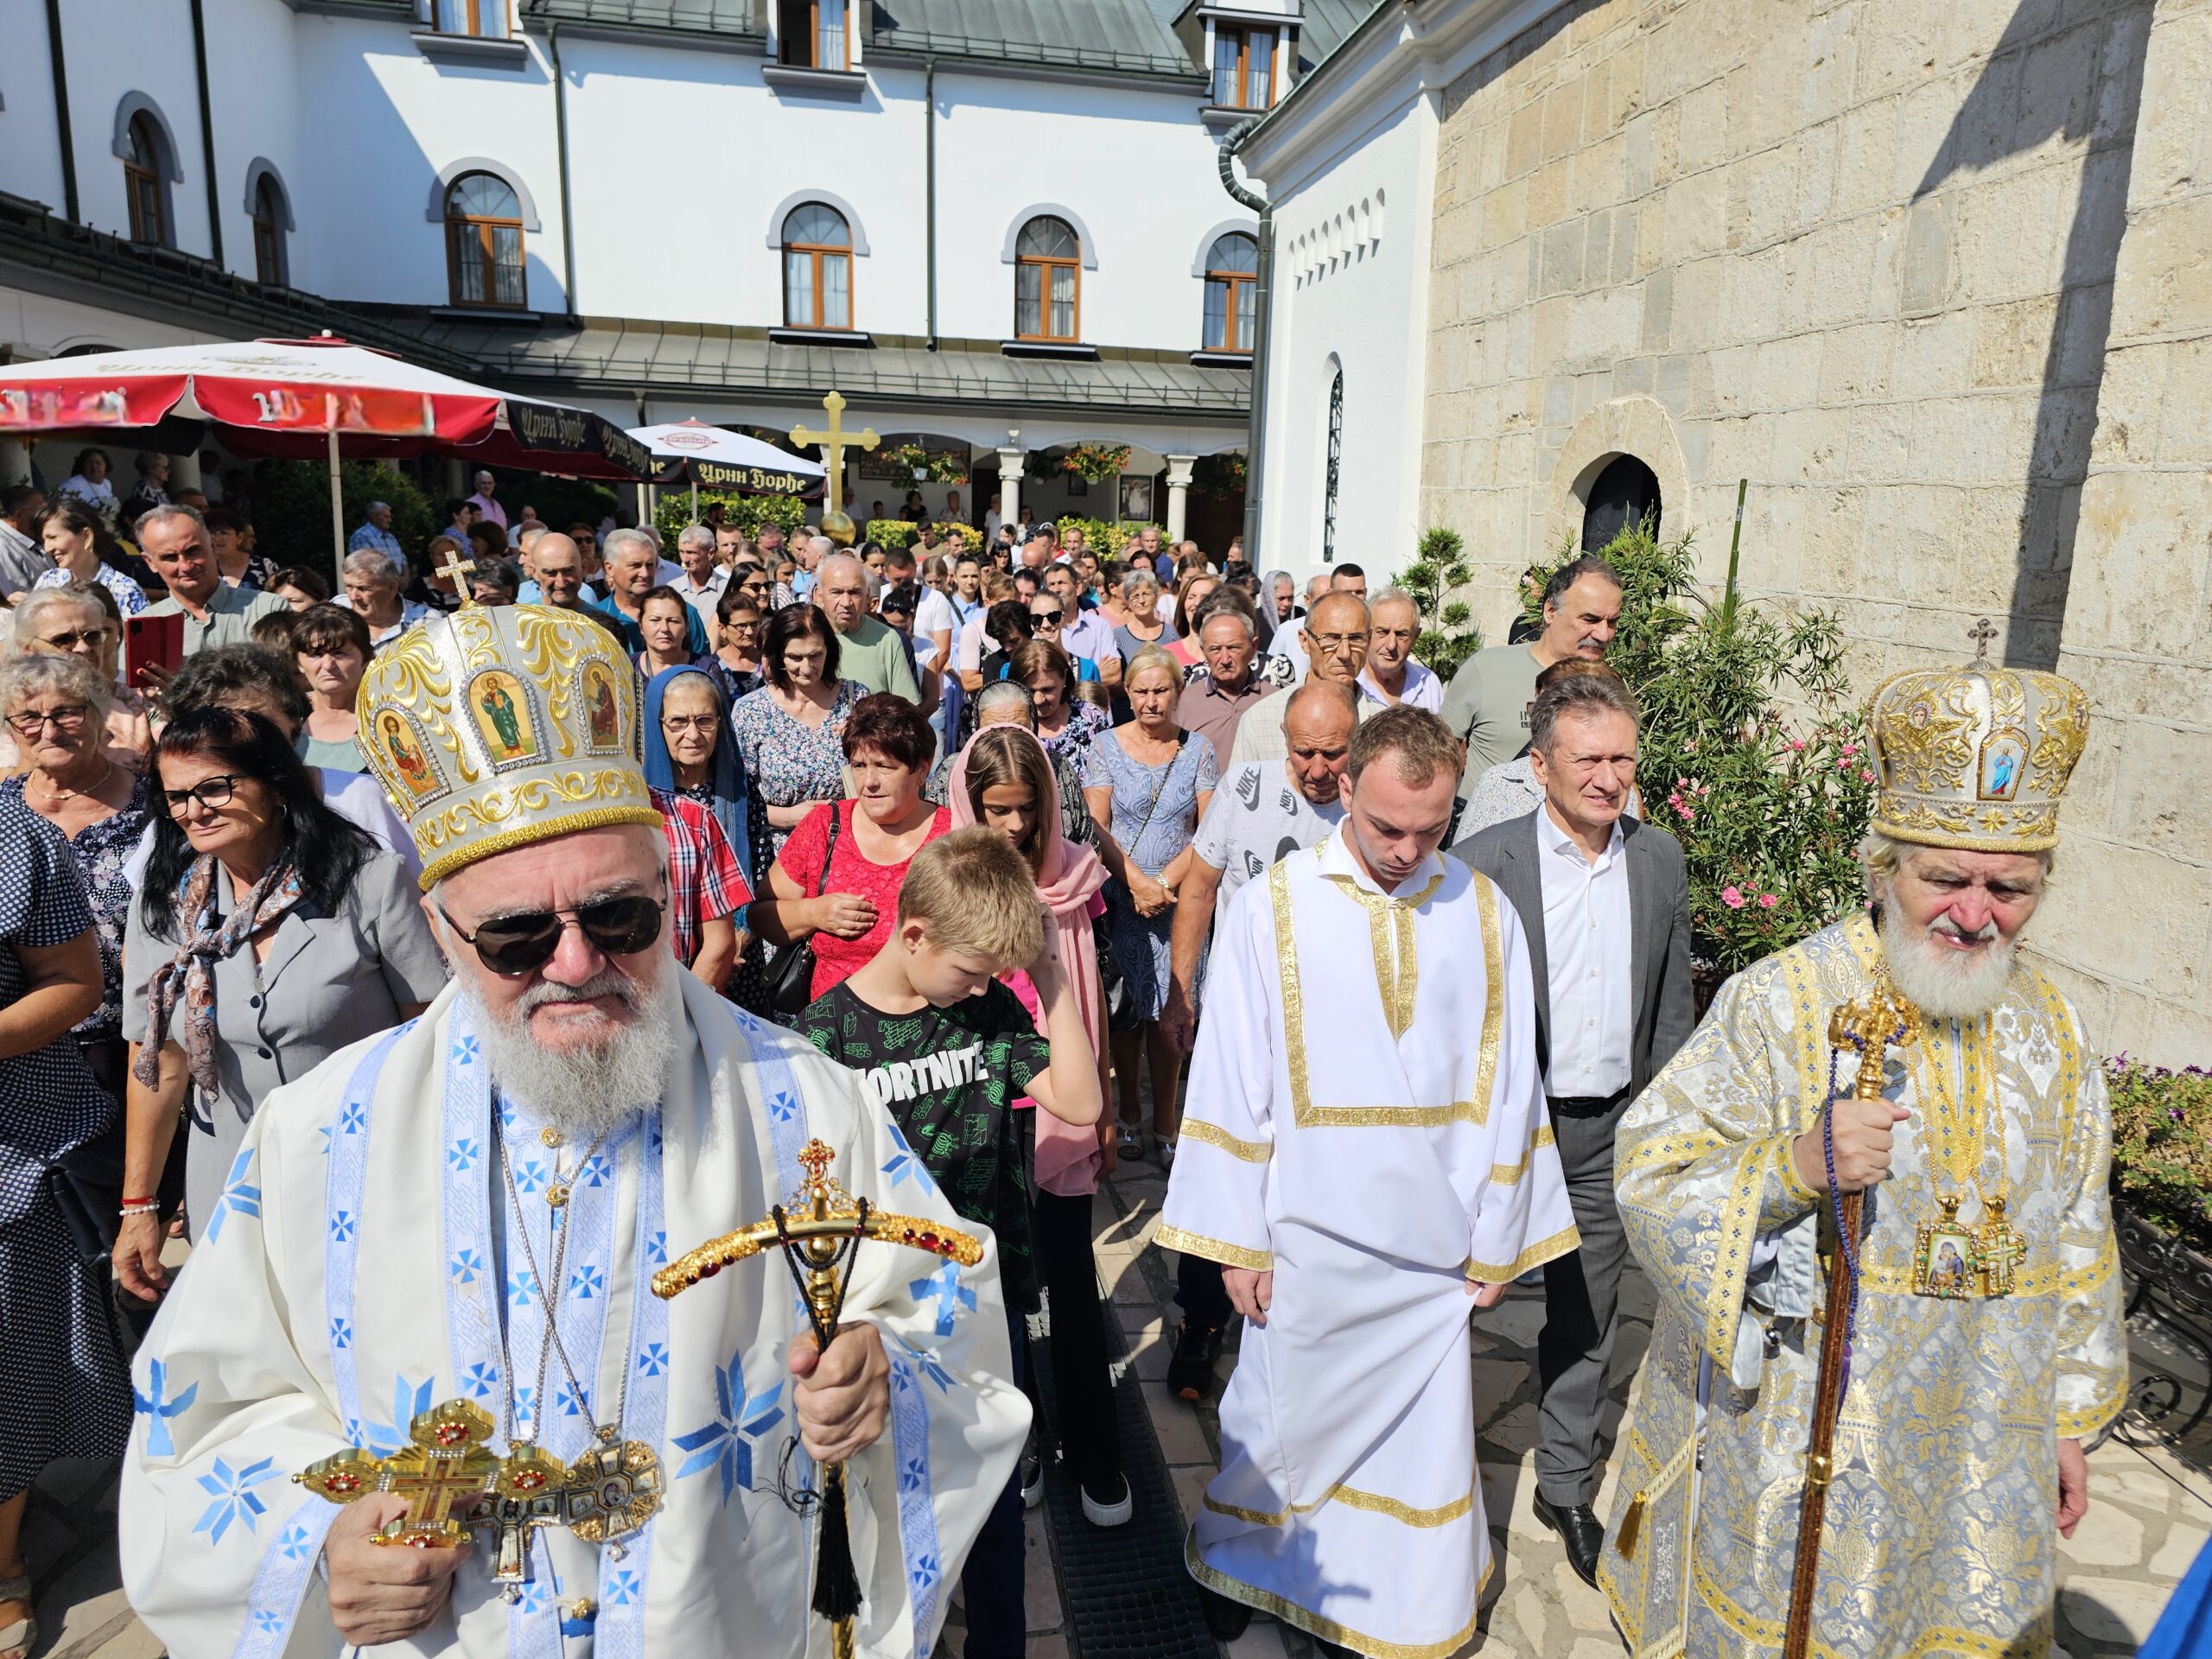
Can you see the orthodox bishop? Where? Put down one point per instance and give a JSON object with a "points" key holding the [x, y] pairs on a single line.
{"points": [[1904, 1501], [422, 1314]]}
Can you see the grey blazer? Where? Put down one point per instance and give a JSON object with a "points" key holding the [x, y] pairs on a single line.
{"points": [[1659, 933]]}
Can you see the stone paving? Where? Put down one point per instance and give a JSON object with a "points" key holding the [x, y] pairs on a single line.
{"points": [[2149, 1512]]}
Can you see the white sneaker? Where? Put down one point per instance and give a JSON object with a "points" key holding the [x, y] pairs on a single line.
{"points": [[1112, 1513]]}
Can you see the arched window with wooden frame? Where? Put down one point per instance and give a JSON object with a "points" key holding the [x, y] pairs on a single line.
{"points": [[144, 167], [1048, 282], [484, 253], [269, 264], [1232, 284], [818, 268]]}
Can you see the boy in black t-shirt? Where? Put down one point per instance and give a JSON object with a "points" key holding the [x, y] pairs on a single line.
{"points": [[945, 1050]]}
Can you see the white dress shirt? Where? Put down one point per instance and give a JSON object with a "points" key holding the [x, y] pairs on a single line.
{"points": [[1586, 946]]}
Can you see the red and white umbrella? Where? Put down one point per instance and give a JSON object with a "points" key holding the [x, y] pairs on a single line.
{"points": [[299, 398]]}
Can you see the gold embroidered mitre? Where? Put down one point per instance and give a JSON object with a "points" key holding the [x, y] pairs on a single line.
{"points": [[1976, 757], [502, 725]]}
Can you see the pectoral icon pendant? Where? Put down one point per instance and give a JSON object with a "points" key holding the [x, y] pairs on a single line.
{"points": [[1954, 1261]]}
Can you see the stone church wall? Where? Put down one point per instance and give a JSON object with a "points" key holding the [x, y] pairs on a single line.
{"points": [[1863, 253]]}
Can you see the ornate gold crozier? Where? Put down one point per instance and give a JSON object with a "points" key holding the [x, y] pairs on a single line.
{"points": [[836, 525], [1868, 1027], [819, 1242], [608, 1492]]}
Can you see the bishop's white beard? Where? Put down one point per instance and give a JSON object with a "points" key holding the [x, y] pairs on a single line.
{"points": [[1941, 981], [595, 1085]]}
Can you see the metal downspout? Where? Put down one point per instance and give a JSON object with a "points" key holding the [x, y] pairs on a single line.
{"points": [[206, 130], [62, 110], [929, 172], [561, 140], [1256, 432]]}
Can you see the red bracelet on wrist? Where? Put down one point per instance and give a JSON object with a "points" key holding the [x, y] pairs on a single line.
{"points": [[141, 1200]]}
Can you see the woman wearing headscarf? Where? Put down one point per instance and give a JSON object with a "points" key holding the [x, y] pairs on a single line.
{"points": [[698, 783], [1004, 781]]}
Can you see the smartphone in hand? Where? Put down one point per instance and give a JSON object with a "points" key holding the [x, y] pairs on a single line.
{"points": [[154, 643]]}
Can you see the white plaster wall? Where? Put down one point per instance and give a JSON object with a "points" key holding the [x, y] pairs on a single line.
{"points": [[1350, 286], [254, 88], [30, 156], [113, 47]]}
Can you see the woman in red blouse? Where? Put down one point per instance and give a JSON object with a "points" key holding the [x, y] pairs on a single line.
{"points": [[848, 910]]}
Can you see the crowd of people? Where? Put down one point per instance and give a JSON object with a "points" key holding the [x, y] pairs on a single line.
{"points": [[991, 828]]}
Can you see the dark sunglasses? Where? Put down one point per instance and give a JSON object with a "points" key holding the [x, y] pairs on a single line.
{"points": [[1046, 616], [513, 946]]}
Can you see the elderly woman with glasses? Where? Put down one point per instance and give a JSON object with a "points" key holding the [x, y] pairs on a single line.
{"points": [[80, 620], [270, 933], [698, 783]]}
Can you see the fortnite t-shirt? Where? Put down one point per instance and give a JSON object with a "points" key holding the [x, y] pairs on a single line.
{"points": [[948, 1078]]}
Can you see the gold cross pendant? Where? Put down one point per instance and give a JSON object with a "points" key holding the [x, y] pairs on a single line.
{"points": [[1998, 1251]]}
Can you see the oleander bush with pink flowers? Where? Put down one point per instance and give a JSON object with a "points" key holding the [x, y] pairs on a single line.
{"points": [[1753, 755]]}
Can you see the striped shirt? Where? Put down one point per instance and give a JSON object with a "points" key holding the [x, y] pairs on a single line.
{"points": [[704, 881]]}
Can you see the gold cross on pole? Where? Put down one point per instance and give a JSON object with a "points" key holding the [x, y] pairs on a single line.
{"points": [[833, 444], [453, 570]]}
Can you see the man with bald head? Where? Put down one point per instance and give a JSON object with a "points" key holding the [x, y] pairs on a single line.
{"points": [[868, 650], [1333, 643], [1262, 812], [560, 565]]}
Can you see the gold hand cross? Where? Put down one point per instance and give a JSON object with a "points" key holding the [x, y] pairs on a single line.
{"points": [[454, 569]]}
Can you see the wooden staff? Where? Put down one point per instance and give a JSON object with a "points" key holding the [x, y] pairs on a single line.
{"points": [[1867, 1026]]}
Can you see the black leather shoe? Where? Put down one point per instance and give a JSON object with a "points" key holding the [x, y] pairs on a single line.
{"points": [[1224, 1618], [1580, 1530], [1190, 1372]]}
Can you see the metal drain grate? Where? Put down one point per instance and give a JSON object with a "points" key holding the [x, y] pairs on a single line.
{"points": [[1125, 1589]]}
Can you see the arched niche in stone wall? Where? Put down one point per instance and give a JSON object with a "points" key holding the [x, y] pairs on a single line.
{"points": [[1638, 426]]}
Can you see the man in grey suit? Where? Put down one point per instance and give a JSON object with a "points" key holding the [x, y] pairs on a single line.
{"points": [[1605, 903]]}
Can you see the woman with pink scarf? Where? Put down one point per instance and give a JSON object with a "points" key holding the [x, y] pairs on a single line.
{"points": [[1003, 780]]}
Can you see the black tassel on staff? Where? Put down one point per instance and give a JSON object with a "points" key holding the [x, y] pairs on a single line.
{"points": [[818, 1243]]}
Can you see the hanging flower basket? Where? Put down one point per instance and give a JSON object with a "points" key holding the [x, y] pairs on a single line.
{"points": [[904, 460], [1096, 462], [948, 467], [1219, 477]]}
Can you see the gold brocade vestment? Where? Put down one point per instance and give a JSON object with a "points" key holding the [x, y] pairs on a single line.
{"points": [[1941, 1517]]}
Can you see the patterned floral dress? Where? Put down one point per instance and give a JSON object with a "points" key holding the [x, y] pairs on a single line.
{"points": [[103, 851], [788, 761], [1155, 814]]}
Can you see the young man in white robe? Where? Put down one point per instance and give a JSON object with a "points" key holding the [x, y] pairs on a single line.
{"points": [[572, 1114], [1366, 1153]]}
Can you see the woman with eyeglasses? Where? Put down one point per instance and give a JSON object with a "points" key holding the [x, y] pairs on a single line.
{"points": [[698, 782], [330, 645], [76, 538], [740, 618], [269, 934], [83, 622]]}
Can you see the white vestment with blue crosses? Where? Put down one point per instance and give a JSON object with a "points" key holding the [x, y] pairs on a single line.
{"points": [[377, 1267]]}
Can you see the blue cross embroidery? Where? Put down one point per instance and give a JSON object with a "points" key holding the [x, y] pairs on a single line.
{"points": [[654, 1361], [924, 1571], [464, 1050], [341, 1225], [926, 1361], [597, 1171], [157, 1409], [239, 1195], [783, 1106], [465, 1266], [533, 1597], [914, 1474], [268, 1622], [325, 1133], [529, 1175], [352, 1119], [462, 1155], [723, 1444], [234, 1496], [481, 1379], [586, 1283], [950, 1295], [624, 1588], [521, 1288], [407, 1403], [570, 1405], [525, 1403], [656, 1248], [341, 1334], [906, 1164], [294, 1543]]}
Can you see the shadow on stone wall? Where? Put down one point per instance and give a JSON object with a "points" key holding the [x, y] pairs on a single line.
{"points": [[2032, 90]]}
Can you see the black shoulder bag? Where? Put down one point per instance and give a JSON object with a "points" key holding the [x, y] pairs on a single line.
{"points": [[790, 976]]}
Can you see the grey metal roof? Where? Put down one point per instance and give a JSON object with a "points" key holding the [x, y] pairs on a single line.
{"points": [[690, 17], [606, 355], [1119, 34], [1327, 24]]}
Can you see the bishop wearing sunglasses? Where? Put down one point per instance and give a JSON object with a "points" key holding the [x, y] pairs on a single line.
{"points": [[466, 1211]]}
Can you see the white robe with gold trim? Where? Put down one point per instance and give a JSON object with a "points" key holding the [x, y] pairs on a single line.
{"points": [[353, 1276], [1365, 1120]]}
